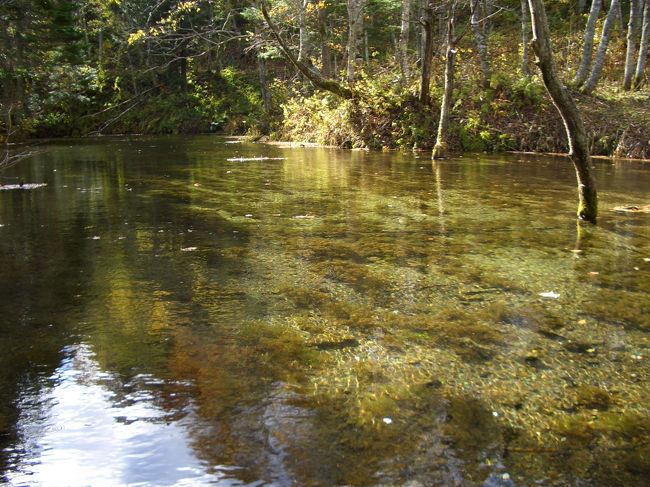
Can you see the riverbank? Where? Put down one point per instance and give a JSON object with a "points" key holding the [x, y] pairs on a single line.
{"points": [[510, 116]]}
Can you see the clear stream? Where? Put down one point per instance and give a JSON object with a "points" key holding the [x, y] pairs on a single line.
{"points": [[319, 318]]}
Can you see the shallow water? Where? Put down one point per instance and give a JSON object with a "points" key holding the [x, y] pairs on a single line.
{"points": [[301, 316]]}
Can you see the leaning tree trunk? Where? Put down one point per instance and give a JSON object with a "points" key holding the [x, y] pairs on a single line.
{"points": [[402, 47], [581, 5], [573, 124], [525, 31], [632, 38], [440, 149], [427, 54], [602, 48], [355, 34], [588, 44], [480, 40], [643, 48]]}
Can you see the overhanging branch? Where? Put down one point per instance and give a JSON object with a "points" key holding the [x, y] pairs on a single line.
{"points": [[314, 76]]}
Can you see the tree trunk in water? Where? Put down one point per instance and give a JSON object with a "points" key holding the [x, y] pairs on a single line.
{"points": [[355, 33], [632, 38], [440, 149], [480, 41], [643, 48], [588, 44], [575, 130], [402, 46], [325, 52], [427, 55], [302, 30], [525, 31], [602, 48]]}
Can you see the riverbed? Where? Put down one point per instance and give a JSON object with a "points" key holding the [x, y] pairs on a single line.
{"points": [[206, 311]]}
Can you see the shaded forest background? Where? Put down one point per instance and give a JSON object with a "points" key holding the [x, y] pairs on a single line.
{"points": [[359, 73]]}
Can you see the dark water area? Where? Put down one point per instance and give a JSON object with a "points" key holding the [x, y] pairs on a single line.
{"points": [[316, 317]]}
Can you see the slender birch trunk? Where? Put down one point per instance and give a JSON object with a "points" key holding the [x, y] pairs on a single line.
{"points": [[643, 48], [633, 25], [573, 124], [525, 37], [440, 149], [588, 44], [602, 48], [402, 46], [480, 40]]}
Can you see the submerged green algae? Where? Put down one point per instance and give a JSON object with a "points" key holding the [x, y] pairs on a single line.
{"points": [[377, 322]]}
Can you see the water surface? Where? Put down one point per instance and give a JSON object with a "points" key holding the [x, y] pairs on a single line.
{"points": [[319, 317]]}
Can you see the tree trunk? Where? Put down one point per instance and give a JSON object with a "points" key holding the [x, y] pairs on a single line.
{"points": [[481, 42], [325, 52], [588, 44], [302, 29], [602, 48], [525, 37], [266, 94], [632, 37], [619, 15], [427, 55], [355, 33], [643, 48], [402, 46], [440, 149], [573, 124]]}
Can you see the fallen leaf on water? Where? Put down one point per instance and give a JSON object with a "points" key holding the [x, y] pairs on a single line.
{"points": [[594, 273], [189, 249], [550, 294]]}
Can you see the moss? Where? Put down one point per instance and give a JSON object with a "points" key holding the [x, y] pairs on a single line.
{"points": [[593, 397]]}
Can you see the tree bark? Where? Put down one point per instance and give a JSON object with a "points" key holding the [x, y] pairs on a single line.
{"points": [[481, 41], [602, 48], [427, 54], [325, 51], [573, 124], [440, 149], [636, 9], [525, 37], [355, 33], [588, 44], [643, 48], [302, 29], [402, 46]]}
